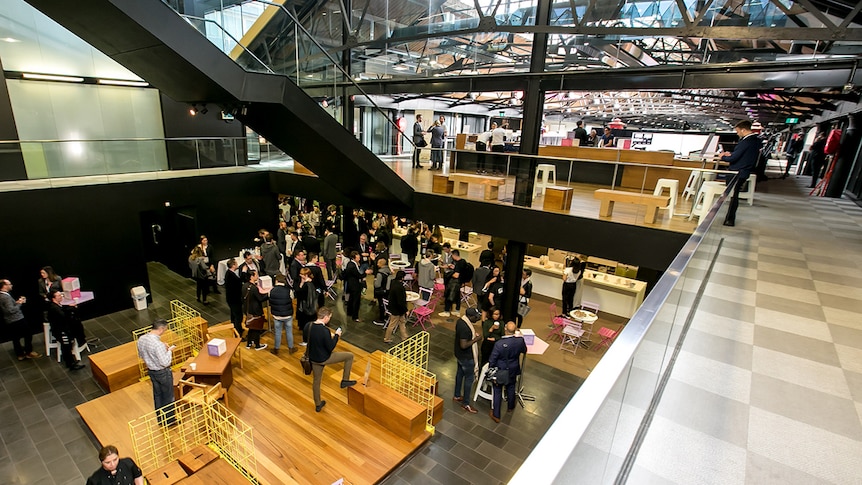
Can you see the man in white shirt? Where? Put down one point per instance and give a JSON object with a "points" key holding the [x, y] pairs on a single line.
{"points": [[157, 357]]}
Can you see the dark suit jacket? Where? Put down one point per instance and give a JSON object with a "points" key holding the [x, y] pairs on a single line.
{"points": [[352, 277], [744, 156], [506, 354], [232, 288]]}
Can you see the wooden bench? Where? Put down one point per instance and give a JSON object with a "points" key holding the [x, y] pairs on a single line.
{"points": [[652, 202], [492, 184]]}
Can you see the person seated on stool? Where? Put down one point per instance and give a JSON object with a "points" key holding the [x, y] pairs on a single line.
{"points": [[62, 325], [506, 355], [116, 470]]}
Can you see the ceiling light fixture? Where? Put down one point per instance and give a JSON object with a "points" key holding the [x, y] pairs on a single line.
{"points": [[120, 82], [52, 77]]}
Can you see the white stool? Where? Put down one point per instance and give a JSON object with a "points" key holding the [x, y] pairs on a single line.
{"points": [[705, 198], [50, 341], [479, 392], [673, 187], [548, 171], [692, 185], [709, 176], [749, 194]]}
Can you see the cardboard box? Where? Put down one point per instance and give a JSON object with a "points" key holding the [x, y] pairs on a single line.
{"points": [[529, 336], [216, 347]]}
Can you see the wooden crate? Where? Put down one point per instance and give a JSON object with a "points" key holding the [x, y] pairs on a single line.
{"points": [[558, 198], [442, 185]]}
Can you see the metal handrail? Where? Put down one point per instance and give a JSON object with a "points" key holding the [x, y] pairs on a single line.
{"points": [[187, 17]]}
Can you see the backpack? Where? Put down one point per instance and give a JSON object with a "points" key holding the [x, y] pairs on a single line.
{"points": [[467, 274], [383, 289], [308, 306]]}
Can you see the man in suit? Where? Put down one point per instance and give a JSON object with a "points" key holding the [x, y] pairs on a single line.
{"points": [[15, 322], [62, 328], [507, 355], [418, 140], [742, 160], [330, 251], [282, 237]]}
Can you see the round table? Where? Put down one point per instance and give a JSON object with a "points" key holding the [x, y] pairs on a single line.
{"points": [[589, 318], [412, 296], [396, 266]]}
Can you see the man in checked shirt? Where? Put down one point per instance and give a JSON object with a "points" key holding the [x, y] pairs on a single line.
{"points": [[157, 357]]}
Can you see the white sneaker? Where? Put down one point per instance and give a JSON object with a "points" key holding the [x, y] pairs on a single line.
{"points": [[303, 344], [444, 314], [456, 313], [260, 347]]}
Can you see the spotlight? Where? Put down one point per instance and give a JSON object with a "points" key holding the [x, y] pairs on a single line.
{"points": [[198, 109]]}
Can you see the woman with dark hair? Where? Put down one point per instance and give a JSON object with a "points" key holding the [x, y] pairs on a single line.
{"points": [[48, 282], [253, 301], [492, 284], [492, 330], [306, 301], [571, 274]]}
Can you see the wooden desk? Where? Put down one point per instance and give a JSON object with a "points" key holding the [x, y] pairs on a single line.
{"points": [[218, 472], [211, 370]]}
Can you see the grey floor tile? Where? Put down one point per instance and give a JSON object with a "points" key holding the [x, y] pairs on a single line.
{"points": [[704, 411], [841, 302], [806, 405], [760, 469], [787, 305], [797, 345]]}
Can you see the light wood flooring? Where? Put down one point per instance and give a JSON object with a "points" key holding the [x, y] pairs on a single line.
{"points": [[583, 203], [293, 443]]}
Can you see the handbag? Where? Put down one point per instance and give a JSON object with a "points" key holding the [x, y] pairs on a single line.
{"points": [[255, 323], [305, 362], [523, 309], [500, 377]]}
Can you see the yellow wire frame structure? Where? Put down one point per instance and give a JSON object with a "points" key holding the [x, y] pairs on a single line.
{"points": [[405, 369], [197, 423], [184, 331]]}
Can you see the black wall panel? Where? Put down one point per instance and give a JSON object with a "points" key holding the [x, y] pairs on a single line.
{"points": [[97, 234]]}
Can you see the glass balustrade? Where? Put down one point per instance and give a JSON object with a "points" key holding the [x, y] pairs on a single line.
{"points": [[596, 436]]}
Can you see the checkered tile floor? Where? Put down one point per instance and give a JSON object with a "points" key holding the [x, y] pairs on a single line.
{"points": [[768, 386]]}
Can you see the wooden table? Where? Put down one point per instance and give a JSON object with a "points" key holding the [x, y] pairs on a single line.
{"points": [[210, 370], [218, 472]]}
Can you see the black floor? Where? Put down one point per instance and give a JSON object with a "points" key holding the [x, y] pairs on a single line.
{"points": [[45, 442]]}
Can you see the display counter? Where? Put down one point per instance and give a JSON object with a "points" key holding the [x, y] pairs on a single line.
{"points": [[615, 294]]}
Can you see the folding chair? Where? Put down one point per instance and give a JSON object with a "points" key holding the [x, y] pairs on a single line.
{"points": [[422, 314], [330, 291], [590, 306], [424, 297], [571, 335], [608, 337], [557, 323], [467, 296], [409, 278]]}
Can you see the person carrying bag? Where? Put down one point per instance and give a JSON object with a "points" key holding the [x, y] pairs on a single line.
{"points": [[254, 319]]}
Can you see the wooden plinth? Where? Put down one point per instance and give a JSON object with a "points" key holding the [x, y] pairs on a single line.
{"points": [[117, 367], [651, 202], [442, 185], [558, 198]]}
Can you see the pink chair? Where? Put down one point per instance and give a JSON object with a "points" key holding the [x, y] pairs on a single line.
{"points": [[557, 322], [422, 314], [608, 337]]}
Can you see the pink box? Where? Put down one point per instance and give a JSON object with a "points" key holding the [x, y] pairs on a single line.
{"points": [[71, 284], [529, 336]]}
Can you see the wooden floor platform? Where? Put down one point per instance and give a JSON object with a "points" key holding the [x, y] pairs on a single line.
{"points": [[293, 443]]}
